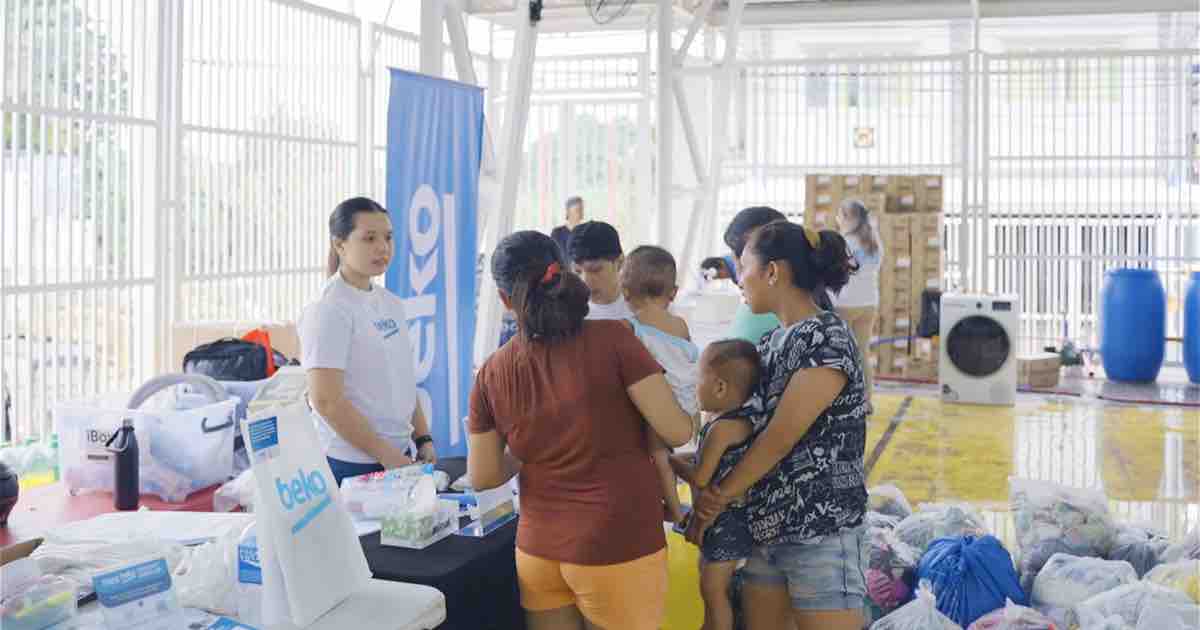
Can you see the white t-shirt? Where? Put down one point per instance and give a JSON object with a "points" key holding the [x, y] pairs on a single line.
{"points": [[365, 334], [863, 288], [616, 310]]}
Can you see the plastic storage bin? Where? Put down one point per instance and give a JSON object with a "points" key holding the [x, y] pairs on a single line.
{"points": [[42, 603], [181, 450]]}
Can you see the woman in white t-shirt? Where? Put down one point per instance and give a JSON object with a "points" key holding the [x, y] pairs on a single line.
{"points": [[354, 344], [858, 302]]}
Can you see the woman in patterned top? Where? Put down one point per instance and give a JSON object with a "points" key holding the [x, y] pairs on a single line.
{"points": [[803, 476]]}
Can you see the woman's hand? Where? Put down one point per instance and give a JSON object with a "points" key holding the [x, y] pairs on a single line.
{"points": [[427, 453], [395, 459], [696, 530], [711, 503]]}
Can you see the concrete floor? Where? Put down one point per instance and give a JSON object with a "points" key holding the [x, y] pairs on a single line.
{"points": [[1146, 457]]}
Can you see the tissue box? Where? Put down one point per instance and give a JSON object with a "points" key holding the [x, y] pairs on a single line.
{"points": [[418, 529]]}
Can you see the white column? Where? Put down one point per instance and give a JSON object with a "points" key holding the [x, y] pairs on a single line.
{"points": [[432, 51], [666, 121], [516, 114], [697, 245]]}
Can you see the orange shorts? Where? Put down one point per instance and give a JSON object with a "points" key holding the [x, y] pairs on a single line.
{"points": [[630, 596]]}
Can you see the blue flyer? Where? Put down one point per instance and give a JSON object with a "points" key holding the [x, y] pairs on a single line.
{"points": [[138, 597]]}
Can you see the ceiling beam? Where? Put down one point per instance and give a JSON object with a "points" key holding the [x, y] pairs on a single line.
{"points": [[782, 13]]}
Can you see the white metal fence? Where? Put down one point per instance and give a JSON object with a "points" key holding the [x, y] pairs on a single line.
{"points": [[1058, 167], [168, 162]]}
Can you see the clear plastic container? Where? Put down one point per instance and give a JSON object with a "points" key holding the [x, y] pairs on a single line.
{"points": [[40, 604]]}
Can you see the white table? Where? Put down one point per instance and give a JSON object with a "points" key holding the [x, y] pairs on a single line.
{"points": [[381, 606]]}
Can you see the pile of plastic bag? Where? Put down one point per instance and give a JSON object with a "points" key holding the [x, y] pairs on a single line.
{"points": [[1014, 617], [891, 565], [878, 520], [919, 614], [1052, 518], [970, 577], [1164, 606], [1067, 580], [1139, 546], [888, 500], [1183, 576], [1186, 549], [939, 520]]}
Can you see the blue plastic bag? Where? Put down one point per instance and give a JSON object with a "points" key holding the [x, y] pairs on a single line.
{"points": [[970, 576]]}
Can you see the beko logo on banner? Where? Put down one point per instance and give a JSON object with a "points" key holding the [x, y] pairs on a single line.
{"points": [[421, 307]]}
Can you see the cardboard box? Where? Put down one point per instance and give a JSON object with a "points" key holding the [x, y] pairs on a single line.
{"points": [[929, 193], [921, 370], [1039, 362], [876, 183], [901, 202], [927, 229], [1039, 380], [896, 232], [855, 184]]}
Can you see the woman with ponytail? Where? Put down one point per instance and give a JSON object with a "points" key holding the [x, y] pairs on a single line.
{"points": [[354, 345], [568, 404], [802, 478], [858, 302]]}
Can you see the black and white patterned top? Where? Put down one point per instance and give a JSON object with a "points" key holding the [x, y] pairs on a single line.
{"points": [[819, 487]]}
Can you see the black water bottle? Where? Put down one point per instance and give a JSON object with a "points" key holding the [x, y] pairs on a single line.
{"points": [[125, 467]]}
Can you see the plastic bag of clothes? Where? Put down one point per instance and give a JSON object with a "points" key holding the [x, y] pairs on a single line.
{"points": [[939, 520], [1129, 601], [1067, 580], [1186, 549], [891, 565], [1014, 617], [879, 520], [1183, 576], [970, 576], [888, 499], [1168, 617], [1052, 518], [1139, 546], [919, 614]]}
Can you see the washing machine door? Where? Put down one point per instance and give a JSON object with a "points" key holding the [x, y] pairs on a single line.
{"points": [[978, 346]]}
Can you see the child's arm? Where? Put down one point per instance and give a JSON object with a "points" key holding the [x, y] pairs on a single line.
{"points": [[685, 467], [727, 433]]}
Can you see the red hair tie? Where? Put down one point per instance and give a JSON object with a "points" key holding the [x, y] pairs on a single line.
{"points": [[552, 271]]}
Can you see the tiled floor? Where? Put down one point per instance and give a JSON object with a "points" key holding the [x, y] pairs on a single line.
{"points": [[1145, 457]]}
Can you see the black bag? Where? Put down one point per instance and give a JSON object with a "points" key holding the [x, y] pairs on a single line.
{"points": [[931, 313], [230, 359]]}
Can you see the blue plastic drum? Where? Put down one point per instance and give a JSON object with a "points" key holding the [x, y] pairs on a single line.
{"points": [[1133, 325], [1191, 329]]}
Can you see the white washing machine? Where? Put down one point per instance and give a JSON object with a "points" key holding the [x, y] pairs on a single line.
{"points": [[978, 363]]}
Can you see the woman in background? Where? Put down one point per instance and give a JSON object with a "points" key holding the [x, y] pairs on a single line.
{"points": [[858, 302]]}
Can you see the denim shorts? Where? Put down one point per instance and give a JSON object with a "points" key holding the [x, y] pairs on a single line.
{"points": [[825, 574]]}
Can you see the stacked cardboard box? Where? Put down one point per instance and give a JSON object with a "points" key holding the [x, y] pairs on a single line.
{"points": [[1039, 371], [908, 210], [895, 295]]}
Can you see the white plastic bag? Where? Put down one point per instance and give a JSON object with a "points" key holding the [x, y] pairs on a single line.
{"points": [[1169, 617], [1183, 576], [1052, 518], [373, 495], [1013, 617], [204, 577], [236, 493], [1129, 601], [888, 499], [1139, 545], [306, 538], [936, 520], [919, 614], [1186, 549], [1066, 580], [414, 517], [79, 560]]}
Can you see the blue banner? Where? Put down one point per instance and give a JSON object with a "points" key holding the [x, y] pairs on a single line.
{"points": [[435, 143]]}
